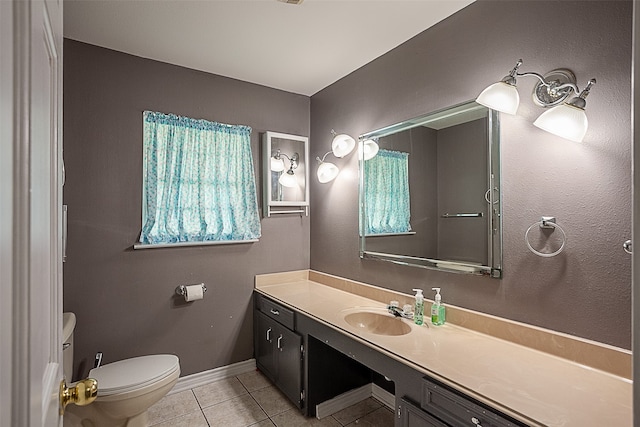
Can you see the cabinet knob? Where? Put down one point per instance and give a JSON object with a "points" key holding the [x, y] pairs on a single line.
{"points": [[476, 422], [275, 312]]}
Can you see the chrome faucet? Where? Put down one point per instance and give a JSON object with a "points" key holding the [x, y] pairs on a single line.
{"points": [[397, 312]]}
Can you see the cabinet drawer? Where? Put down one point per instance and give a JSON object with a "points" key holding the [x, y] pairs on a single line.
{"points": [[276, 311], [459, 410]]}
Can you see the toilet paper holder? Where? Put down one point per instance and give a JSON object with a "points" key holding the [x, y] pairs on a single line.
{"points": [[182, 289]]}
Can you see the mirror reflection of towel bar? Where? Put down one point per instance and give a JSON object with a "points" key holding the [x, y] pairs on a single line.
{"points": [[462, 215]]}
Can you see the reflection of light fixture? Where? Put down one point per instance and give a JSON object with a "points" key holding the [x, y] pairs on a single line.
{"points": [[287, 179], [566, 119], [369, 149], [277, 164], [342, 144]]}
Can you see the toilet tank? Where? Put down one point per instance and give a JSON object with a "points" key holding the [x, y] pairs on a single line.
{"points": [[68, 325]]}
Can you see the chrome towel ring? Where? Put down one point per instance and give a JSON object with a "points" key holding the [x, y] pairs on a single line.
{"points": [[546, 222]]}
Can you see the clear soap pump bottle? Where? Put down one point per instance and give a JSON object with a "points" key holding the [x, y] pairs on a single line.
{"points": [[437, 309], [418, 309]]}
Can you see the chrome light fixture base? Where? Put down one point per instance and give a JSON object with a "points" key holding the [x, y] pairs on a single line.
{"points": [[560, 84]]}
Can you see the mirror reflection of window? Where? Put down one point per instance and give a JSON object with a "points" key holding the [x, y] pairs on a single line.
{"points": [[386, 194]]}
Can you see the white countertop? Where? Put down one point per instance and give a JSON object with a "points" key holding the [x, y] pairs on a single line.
{"points": [[535, 387]]}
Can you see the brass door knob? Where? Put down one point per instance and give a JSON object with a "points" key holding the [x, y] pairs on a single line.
{"points": [[83, 393]]}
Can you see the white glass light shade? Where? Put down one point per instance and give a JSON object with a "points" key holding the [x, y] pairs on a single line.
{"points": [[369, 149], [565, 121], [288, 180], [500, 96], [327, 172], [342, 145], [277, 165]]}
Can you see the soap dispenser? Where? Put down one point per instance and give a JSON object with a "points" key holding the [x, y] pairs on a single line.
{"points": [[418, 310], [437, 309]]}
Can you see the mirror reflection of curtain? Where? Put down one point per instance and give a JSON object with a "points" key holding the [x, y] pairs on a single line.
{"points": [[386, 193], [198, 181]]}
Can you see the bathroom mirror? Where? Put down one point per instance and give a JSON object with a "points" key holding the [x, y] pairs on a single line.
{"points": [[430, 197], [285, 174]]}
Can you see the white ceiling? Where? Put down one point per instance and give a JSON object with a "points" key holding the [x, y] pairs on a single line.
{"points": [[297, 48]]}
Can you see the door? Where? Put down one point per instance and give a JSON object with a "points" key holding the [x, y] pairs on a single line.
{"points": [[289, 359], [264, 348], [30, 212]]}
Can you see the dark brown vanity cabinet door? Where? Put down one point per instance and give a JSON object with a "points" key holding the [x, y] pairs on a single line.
{"points": [[288, 351], [412, 416], [278, 353], [263, 339]]}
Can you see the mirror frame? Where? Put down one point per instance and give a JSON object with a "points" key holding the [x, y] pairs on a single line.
{"points": [[494, 223], [268, 204]]}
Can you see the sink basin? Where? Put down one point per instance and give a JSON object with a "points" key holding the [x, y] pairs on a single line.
{"points": [[377, 323]]}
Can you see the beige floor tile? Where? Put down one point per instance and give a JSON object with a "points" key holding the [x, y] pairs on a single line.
{"points": [[382, 417], [254, 380], [357, 411], [219, 391], [272, 401], [194, 419], [172, 406], [293, 418], [239, 411], [264, 423]]}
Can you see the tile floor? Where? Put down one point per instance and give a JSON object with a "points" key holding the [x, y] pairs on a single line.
{"points": [[250, 399]]}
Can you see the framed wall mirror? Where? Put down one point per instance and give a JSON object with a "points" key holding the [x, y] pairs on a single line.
{"points": [[430, 197], [285, 174]]}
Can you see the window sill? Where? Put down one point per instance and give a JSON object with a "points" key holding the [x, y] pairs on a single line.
{"points": [[407, 233], [183, 244]]}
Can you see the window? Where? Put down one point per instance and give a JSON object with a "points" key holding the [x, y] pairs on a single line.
{"points": [[386, 193], [198, 182]]}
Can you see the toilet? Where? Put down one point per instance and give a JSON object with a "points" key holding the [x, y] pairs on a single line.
{"points": [[126, 388]]}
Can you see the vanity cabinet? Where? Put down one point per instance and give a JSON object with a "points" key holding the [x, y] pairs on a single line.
{"points": [[278, 348], [334, 363], [441, 406]]}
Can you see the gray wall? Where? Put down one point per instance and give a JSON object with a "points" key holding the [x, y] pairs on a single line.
{"points": [[586, 290], [124, 299]]}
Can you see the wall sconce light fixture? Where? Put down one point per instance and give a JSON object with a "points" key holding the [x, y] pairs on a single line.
{"points": [[341, 146], [288, 178], [566, 119]]}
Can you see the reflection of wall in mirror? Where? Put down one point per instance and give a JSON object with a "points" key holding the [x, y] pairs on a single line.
{"points": [[280, 192], [462, 183]]}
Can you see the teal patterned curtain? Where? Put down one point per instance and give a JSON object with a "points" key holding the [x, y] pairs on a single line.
{"points": [[386, 193], [198, 182]]}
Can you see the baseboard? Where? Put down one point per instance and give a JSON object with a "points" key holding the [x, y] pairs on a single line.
{"points": [[338, 403], [205, 377], [388, 399]]}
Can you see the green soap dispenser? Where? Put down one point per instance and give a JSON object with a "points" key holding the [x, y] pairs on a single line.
{"points": [[437, 309], [418, 309]]}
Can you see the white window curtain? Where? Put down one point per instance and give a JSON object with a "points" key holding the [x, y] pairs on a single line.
{"points": [[386, 193], [198, 181]]}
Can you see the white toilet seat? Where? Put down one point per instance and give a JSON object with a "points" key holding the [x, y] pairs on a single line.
{"points": [[135, 374]]}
